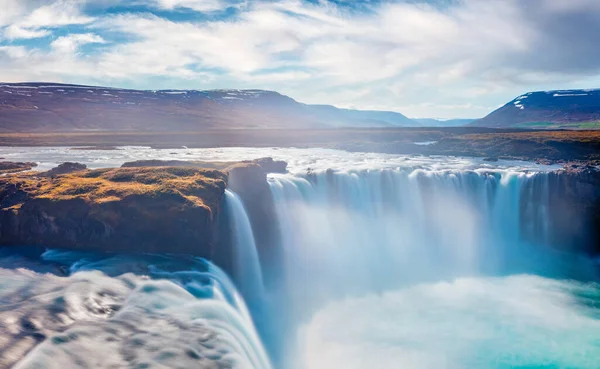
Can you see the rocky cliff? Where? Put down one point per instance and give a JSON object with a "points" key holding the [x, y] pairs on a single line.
{"points": [[129, 209], [575, 208], [147, 206], [571, 198], [249, 180], [151, 207]]}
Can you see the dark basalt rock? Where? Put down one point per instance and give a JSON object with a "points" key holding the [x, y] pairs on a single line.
{"points": [[65, 168], [249, 181], [271, 166], [572, 196], [12, 167]]}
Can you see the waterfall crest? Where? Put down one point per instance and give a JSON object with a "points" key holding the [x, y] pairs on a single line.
{"points": [[366, 230]]}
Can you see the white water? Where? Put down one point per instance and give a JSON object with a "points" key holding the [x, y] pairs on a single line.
{"points": [[389, 262], [299, 160], [348, 234], [518, 321], [174, 312], [365, 230], [245, 255]]}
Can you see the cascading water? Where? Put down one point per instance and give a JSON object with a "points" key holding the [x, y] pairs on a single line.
{"points": [[88, 310], [347, 234], [401, 261], [371, 229], [245, 255]]}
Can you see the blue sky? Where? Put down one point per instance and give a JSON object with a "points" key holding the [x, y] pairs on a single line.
{"points": [[442, 58]]}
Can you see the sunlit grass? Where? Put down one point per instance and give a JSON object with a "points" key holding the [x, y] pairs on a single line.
{"points": [[106, 185]]}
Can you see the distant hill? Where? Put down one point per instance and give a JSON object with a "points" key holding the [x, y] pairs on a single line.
{"points": [[431, 122], [52, 107], [576, 109]]}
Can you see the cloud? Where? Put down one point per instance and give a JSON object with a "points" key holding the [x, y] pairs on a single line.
{"points": [[395, 53], [35, 22], [69, 44], [198, 5], [14, 31], [59, 13]]}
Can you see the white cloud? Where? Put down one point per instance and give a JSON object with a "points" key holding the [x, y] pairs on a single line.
{"points": [[396, 54], [14, 31], [36, 22], [69, 44], [10, 10], [59, 13], [198, 5], [14, 52]]}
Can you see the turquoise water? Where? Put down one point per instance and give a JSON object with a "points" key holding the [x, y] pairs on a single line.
{"points": [[519, 321], [390, 262], [63, 309], [406, 268], [97, 310]]}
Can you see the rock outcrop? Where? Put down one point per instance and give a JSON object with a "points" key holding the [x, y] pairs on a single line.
{"points": [[146, 206], [571, 198], [13, 167], [575, 208], [65, 168], [249, 181], [128, 209], [267, 165]]}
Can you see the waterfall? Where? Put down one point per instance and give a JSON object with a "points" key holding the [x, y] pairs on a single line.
{"points": [[179, 310], [246, 262], [361, 231], [363, 234]]}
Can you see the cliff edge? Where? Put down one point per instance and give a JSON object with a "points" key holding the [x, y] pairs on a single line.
{"points": [[167, 209]]}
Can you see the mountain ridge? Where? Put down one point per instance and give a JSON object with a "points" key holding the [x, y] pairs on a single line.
{"points": [[553, 109], [58, 107], [433, 122]]}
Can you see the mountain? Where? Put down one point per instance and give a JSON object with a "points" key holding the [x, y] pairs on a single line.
{"points": [[432, 122], [52, 107], [547, 109]]}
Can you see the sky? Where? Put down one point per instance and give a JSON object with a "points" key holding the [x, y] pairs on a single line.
{"points": [[423, 58]]}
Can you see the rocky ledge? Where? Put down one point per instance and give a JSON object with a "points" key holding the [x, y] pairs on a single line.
{"points": [[133, 209], [13, 167], [156, 206]]}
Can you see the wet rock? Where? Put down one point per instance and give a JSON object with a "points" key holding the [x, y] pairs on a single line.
{"points": [[573, 209], [249, 181]]}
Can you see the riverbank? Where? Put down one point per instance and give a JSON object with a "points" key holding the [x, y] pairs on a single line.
{"points": [[548, 146]]}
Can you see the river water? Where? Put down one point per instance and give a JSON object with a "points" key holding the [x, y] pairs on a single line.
{"points": [[387, 262]]}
